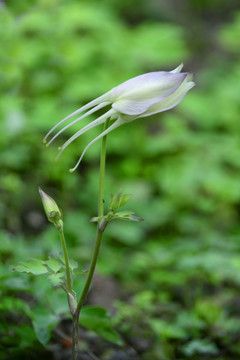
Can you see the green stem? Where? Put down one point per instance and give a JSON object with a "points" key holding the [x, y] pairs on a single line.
{"points": [[102, 173], [68, 273], [91, 271], [75, 337], [96, 248]]}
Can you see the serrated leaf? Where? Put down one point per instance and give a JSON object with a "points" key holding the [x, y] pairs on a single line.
{"points": [[31, 266], [72, 263], [54, 264], [56, 279]]}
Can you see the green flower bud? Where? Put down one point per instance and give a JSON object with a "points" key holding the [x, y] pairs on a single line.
{"points": [[52, 211], [72, 302]]}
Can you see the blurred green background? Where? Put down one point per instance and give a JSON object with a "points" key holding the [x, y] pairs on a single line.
{"points": [[174, 279]]}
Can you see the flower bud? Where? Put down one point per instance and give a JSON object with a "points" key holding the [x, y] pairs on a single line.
{"points": [[52, 211], [72, 303]]}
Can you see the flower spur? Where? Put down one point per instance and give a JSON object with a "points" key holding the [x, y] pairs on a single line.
{"points": [[138, 97]]}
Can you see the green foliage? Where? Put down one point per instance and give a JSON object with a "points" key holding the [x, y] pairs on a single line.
{"points": [[116, 202], [32, 266], [55, 268], [43, 322], [96, 318], [179, 269]]}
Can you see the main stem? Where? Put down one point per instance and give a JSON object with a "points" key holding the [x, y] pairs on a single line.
{"points": [[96, 248]]}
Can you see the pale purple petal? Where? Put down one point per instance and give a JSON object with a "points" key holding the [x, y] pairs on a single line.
{"points": [[172, 100], [136, 95], [115, 125], [92, 124], [178, 69], [96, 108], [99, 100]]}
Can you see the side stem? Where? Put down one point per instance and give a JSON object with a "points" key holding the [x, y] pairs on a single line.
{"points": [[68, 273], [96, 248]]}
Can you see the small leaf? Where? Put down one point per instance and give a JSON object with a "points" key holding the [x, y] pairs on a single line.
{"points": [[54, 264], [32, 266], [127, 215], [56, 279], [94, 219], [72, 263], [124, 199], [118, 201], [81, 271], [115, 201]]}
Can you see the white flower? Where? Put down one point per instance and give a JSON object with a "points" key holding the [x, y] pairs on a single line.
{"points": [[141, 96]]}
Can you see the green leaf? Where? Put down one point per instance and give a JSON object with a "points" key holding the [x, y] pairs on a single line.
{"points": [[16, 283], [43, 323], [81, 271], [166, 330], [97, 319], [54, 264], [96, 311], [200, 346], [109, 334], [56, 279], [127, 215], [32, 266], [94, 219], [11, 304], [124, 199], [72, 263], [115, 201], [118, 201]]}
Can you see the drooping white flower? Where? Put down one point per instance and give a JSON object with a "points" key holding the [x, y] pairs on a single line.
{"points": [[138, 97]]}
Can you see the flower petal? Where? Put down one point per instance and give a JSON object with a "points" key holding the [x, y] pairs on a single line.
{"points": [[94, 123], [115, 125], [96, 108], [178, 69], [172, 100], [136, 95], [99, 100]]}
